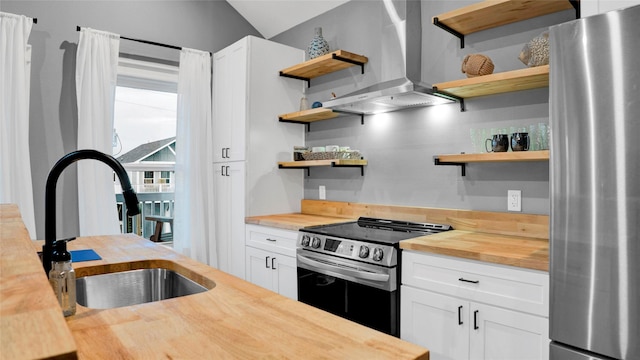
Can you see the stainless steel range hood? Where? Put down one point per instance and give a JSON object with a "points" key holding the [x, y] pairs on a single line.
{"points": [[401, 67]]}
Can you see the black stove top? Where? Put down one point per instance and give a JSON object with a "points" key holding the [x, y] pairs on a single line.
{"points": [[381, 231]]}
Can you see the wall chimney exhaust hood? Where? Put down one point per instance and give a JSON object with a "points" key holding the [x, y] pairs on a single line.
{"points": [[401, 67]]}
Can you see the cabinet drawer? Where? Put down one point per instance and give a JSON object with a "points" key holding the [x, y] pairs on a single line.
{"points": [[272, 239], [509, 287]]}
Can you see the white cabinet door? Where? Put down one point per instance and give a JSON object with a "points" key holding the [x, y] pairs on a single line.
{"points": [[229, 207], [259, 268], [272, 271], [287, 276], [230, 92], [504, 334], [438, 322]]}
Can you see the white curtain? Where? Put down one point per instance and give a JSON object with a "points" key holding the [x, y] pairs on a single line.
{"points": [[15, 161], [96, 75], [193, 215]]}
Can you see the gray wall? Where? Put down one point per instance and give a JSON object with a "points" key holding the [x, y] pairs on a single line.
{"points": [[400, 146], [205, 25]]}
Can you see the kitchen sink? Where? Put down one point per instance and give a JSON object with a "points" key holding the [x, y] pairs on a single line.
{"points": [[132, 287]]}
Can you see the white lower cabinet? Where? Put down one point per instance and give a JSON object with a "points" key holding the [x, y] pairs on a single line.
{"points": [[444, 308], [270, 259]]}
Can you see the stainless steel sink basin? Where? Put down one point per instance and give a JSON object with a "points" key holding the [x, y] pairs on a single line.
{"points": [[106, 291]]}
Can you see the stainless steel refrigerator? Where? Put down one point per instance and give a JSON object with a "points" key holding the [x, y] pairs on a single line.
{"points": [[595, 187]]}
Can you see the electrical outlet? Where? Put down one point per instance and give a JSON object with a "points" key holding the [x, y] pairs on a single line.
{"points": [[322, 192], [514, 200]]}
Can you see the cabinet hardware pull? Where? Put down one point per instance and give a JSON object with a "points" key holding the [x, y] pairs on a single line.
{"points": [[475, 320], [460, 315], [223, 156], [270, 239], [266, 262], [469, 281], [273, 266], [227, 174], [222, 170]]}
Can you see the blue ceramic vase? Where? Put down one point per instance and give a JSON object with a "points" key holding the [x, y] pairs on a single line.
{"points": [[318, 46]]}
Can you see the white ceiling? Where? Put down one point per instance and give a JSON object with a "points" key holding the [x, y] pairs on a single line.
{"points": [[271, 17]]}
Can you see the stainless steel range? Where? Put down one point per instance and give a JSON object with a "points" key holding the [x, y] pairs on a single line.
{"points": [[352, 269]]}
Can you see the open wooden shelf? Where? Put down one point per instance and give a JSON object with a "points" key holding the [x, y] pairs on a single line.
{"points": [[516, 80], [308, 116], [510, 156], [306, 164], [493, 13], [325, 64]]}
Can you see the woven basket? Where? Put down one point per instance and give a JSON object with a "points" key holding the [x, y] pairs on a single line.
{"points": [[477, 65], [329, 155]]}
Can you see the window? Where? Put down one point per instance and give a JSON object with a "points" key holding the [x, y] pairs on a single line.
{"points": [[148, 177], [145, 112], [165, 177]]}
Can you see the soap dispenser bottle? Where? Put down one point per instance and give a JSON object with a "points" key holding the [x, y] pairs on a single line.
{"points": [[62, 278]]}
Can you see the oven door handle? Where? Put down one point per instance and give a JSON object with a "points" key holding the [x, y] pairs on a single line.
{"points": [[355, 273]]}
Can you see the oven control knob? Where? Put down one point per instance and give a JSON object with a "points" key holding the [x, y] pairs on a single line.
{"points": [[364, 252], [378, 254], [305, 240], [316, 242]]}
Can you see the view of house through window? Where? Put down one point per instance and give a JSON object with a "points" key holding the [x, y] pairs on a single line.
{"points": [[144, 142]]}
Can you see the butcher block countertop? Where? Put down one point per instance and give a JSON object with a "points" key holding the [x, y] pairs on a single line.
{"points": [[493, 237], [235, 319], [295, 221], [498, 249]]}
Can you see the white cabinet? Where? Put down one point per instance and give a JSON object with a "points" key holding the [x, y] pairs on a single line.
{"points": [[463, 309], [230, 82], [229, 209], [249, 93], [271, 261]]}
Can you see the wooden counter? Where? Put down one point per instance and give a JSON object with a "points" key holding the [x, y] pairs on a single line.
{"points": [[235, 319], [31, 322], [295, 221], [498, 249], [502, 238]]}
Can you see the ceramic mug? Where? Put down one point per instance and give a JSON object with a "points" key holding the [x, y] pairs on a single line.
{"points": [[499, 143], [520, 141]]}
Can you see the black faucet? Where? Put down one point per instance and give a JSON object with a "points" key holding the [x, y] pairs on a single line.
{"points": [[130, 198]]}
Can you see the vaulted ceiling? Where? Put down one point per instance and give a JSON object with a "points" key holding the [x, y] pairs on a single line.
{"points": [[271, 17]]}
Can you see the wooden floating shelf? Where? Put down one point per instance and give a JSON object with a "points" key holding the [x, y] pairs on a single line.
{"points": [[509, 81], [510, 156], [515, 156], [325, 64], [308, 116], [306, 164], [493, 13]]}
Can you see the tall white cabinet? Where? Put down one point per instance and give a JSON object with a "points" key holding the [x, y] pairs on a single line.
{"points": [[249, 141]]}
